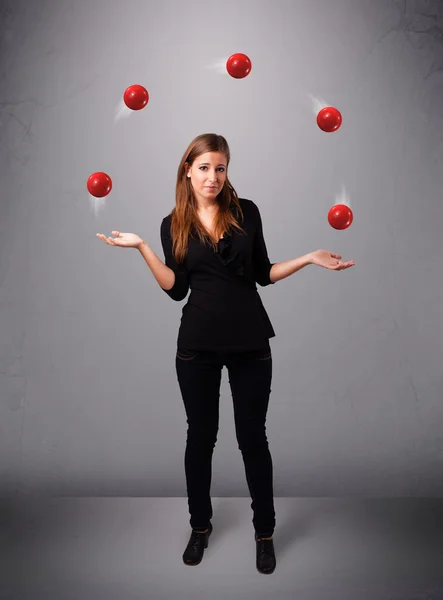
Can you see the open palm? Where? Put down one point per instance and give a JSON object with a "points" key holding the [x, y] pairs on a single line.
{"points": [[329, 260], [125, 240]]}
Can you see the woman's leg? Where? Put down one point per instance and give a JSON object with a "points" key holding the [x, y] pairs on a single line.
{"points": [[250, 375], [199, 377]]}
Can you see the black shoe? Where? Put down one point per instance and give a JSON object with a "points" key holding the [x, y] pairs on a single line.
{"points": [[265, 555], [196, 546]]}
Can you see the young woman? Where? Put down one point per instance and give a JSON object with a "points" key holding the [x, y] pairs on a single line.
{"points": [[213, 245]]}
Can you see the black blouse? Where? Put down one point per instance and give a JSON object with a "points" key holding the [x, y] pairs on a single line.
{"points": [[224, 311]]}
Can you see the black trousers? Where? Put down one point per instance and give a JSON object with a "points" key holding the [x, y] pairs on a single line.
{"points": [[199, 378]]}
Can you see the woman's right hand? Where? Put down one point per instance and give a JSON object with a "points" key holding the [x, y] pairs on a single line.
{"points": [[125, 240]]}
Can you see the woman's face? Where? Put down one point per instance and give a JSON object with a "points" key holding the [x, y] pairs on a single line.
{"points": [[208, 175]]}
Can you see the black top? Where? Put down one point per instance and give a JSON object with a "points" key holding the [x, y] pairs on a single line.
{"points": [[224, 311]]}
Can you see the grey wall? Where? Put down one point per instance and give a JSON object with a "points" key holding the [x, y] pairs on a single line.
{"points": [[90, 404]]}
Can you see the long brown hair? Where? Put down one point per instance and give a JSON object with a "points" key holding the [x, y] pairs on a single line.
{"points": [[184, 215]]}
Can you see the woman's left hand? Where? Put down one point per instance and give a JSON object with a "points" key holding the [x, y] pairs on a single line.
{"points": [[329, 260]]}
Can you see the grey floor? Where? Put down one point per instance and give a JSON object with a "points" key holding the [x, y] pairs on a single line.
{"points": [[131, 549]]}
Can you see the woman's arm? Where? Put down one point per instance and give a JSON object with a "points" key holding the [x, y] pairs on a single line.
{"points": [[164, 275]]}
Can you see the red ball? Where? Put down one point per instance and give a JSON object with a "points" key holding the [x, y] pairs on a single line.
{"points": [[329, 119], [238, 65], [99, 184], [340, 216], [136, 97]]}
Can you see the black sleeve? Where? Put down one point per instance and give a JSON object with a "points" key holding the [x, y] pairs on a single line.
{"points": [[261, 264], [181, 285]]}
